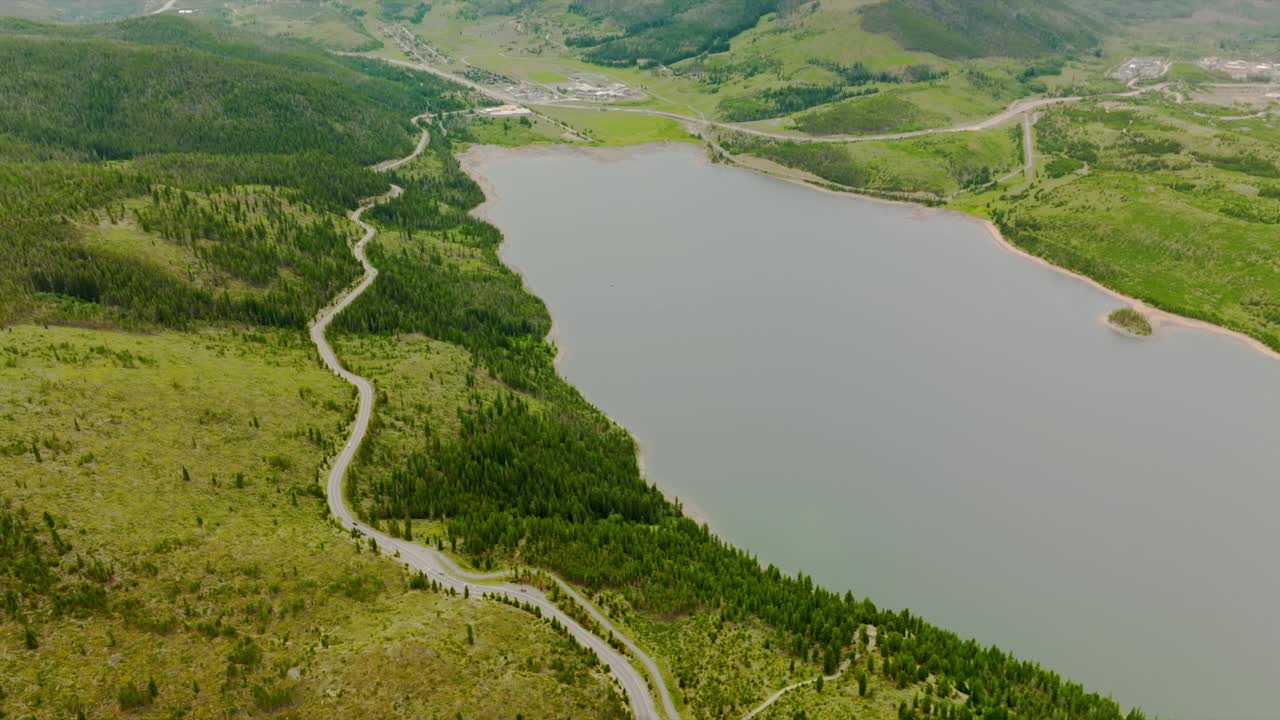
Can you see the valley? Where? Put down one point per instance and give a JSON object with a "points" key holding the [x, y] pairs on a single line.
{"points": [[416, 514]]}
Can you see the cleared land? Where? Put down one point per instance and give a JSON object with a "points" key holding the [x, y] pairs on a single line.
{"points": [[186, 464]]}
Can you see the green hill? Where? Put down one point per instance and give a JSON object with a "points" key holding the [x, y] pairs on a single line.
{"points": [[166, 85], [981, 28]]}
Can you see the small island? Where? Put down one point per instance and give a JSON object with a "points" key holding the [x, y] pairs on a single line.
{"points": [[1130, 321]]}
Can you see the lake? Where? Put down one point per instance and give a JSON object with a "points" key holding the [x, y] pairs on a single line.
{"points": [[882, 397]]}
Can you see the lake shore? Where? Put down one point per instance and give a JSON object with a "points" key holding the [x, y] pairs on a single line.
{"points": [[471, 161], [829, 429], [477, 155]]}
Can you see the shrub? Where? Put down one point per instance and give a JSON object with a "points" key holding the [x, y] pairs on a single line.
{"points": [[1130, 320]]}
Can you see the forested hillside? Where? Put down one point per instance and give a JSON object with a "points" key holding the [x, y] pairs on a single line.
{"points": [[163, 543], [147, 87], [192, 125], [979, 28], [158, 174], [541, 477], [669, 31]]}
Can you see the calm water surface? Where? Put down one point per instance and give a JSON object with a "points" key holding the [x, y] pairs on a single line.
{"points": [[881, 397]]}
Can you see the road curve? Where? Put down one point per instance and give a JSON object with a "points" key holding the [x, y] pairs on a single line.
{"points": [[427, 560], [1009, 114], [164, 8]]}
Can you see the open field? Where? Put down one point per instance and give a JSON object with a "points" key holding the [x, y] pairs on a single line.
{"points": [[513, 132], [186, 464], [77, 10], [320, 22], [936, 165], [615, 128]]}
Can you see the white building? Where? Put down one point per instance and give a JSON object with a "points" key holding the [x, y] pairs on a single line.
{"points": [[505, 111]]}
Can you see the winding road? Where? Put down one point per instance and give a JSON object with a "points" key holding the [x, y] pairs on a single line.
{"points": [[1012, 112], [427, 560]]}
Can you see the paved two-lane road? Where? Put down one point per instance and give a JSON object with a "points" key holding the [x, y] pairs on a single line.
{"points": [[427, 560], [1019, 107]]}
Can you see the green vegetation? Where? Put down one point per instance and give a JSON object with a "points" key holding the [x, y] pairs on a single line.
{"points": [[411, 10], [508, 132], [1176, 209], [667, 31], [199, 187], [163, 529], [936, 166], [165, 545], [870, 688], [774, 102], [982, 28], [74, 11], [879, 114], [534, 475], [1131, 321], [263, 256], [149, 95], [334, 25], [620, 128]]}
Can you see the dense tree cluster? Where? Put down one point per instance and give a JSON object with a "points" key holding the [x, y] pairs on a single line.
{"points": [[775, 102], [858, 74], [41, 574], [670, 30], [252, 239], [556, 484], [484, 309], [543, 476], [111, 99], [982, 28], [192, 122]]}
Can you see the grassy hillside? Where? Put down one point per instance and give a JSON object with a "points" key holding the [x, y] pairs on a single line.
{"points": [[249, 154], [982, 28], [164, 542], [76, 11], [932, 167], [667, 31], [167, 552], [208, 427], [1161, 203]]}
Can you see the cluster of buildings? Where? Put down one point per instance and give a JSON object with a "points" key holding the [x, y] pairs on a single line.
{"points": [[1141, 68], [1243, 69], [598, 89]]}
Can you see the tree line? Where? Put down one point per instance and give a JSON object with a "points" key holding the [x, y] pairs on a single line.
{"points": [[557, 485]]}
